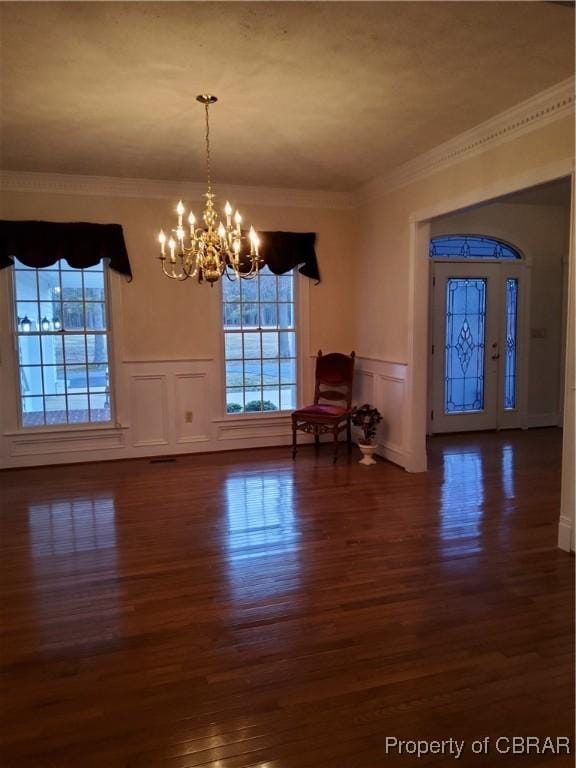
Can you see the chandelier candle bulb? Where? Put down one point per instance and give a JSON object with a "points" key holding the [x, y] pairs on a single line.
{"points": [[180, 212], [228, 212], [172, 246], [162, 239]]}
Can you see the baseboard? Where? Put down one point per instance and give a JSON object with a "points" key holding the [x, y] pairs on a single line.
{"points": [[565, 539], [543, 420], [392, 453]]}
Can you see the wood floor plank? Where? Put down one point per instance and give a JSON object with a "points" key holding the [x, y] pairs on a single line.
{"points": [[238, 610]]}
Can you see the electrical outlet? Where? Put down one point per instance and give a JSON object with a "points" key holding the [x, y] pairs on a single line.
{"points": [[538, 333], [188, 417]]}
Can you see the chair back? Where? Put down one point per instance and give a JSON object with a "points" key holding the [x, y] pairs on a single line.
{"points": [[334, 378]]}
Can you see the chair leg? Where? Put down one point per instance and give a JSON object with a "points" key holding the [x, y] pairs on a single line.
{"points": [[316, 439], [349, 435], [335, 459], [294, 440]]}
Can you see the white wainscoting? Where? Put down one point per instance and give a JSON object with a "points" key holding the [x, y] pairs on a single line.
{"points": [[168, 407], [382, 383], [164, 407]]}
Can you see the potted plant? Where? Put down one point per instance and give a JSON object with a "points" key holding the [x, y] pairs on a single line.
{"points": [[367, 418]]}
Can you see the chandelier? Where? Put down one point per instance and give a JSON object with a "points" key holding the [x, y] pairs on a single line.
{"points": [[214, 249]]}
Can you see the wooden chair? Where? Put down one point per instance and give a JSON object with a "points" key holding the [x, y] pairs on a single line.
{"points": [[336, 372]]}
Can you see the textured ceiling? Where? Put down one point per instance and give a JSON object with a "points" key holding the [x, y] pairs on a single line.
{"points": [[312, 95]]}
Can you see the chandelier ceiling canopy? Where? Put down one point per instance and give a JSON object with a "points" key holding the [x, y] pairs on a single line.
{"points": [[218, 247]]}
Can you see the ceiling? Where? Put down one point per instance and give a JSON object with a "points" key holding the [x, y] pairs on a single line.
{"points": [[312, 95]]}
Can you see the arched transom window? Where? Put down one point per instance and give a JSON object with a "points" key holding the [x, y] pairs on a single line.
{"points": [[471, 247]]}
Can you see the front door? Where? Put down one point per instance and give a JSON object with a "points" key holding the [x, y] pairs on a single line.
{"points": [[474, 362]]}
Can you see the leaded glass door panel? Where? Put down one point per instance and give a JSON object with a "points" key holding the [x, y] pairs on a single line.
{"points": [[466, 346]]}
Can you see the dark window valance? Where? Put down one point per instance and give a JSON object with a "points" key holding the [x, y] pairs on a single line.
{"points": [[283, 251], [42, 243]]}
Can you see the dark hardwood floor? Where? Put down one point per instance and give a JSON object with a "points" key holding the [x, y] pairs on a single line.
{"points": [[241, 609]]}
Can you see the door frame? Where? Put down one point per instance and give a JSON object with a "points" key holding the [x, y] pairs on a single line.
{"points": [[516, 418], [418, 325]]}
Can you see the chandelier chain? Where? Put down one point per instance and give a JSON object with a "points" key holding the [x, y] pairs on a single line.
{"points": [[208, 168]]}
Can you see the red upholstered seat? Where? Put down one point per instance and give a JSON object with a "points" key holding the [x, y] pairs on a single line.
{"points": [[321, 410], [334, 380]]}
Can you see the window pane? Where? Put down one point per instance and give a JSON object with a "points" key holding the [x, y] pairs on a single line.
{"points": [[230, 290], [285, 288], [234, 373], [27, 320], [286, 315], [287, 344], [72, 285], [77, 378], [253, 397], [471, 247], [465, 343], [29, 349], [288, 398], [510, 354], [95, 316], [268, 290], [49, 284], [234, 399], [97, 348], [249, 290], [32, 411], [232, 315], [78, 409], [73, 316], [288, 372], [269, 315], [269, 344], [54, 381], [56, 410], [233, 346], [98, 377], [252, 373], [251, 345], [271, 373], [75, 349], [52, 349], [100, 407], [94, 286], [25, 283], [250, 315], [31, 380]]}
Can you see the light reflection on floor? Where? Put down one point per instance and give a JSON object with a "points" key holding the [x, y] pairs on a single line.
{"points": [[72, 525], [463, 497], [75, 536], [462, 501], [263, 539]]}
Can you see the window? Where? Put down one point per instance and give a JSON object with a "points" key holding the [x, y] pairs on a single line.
{"points": [[260, 343], [510, 350], [471, 247], [62, 340]]}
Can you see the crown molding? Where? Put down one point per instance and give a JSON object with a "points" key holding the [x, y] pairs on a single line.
{"points": [[543, 108], [110, 186]]}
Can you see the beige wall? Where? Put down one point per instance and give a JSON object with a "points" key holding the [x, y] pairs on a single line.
{"points": [[382, 327], [166, 320], [541, 232]]}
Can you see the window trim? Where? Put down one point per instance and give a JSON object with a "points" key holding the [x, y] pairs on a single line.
{"points": [[301, 327], [10, 369]]}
